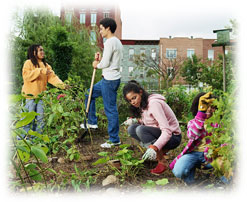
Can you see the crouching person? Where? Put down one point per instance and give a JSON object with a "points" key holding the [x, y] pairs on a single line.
{"points": [[195, 152], [157, 128]]}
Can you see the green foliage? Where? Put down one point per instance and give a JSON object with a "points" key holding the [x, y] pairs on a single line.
{"points": [[209, 73], [190, 70], [63, 117], [178, 100], [129, 165], [62, 52], [24, 150], [223, 147]]}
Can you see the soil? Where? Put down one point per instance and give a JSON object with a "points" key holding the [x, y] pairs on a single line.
{"points": [[89, 149]]}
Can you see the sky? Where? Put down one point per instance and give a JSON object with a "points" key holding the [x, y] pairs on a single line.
{"points": [[154, 19], [151, 19]]}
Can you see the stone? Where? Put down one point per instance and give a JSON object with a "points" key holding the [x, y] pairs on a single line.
{"points": [[110, 179]]}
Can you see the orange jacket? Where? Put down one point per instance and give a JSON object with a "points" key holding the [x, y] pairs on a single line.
{"points": [[35, 79]]}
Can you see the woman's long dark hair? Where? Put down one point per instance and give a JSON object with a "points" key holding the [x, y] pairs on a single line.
{"points": [[195, 103], [133, 86], [30, 54]]}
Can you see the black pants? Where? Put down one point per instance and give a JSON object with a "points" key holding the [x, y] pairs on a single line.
{"points": [[147, 135]]}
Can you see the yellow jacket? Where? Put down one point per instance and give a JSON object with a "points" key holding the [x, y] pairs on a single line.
{"points": [[35, 79]]}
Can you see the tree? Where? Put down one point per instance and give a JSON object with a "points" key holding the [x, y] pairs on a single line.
{"points": [[62, 52], [164, 67], [191, 70]]}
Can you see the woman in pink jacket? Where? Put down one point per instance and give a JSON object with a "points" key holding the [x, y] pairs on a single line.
{"points": [[157, 129]]}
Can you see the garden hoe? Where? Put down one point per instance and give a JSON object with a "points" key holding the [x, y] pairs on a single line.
{"points": [[88, 104]]}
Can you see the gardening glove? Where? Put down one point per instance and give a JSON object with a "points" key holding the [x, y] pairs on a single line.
{"points": [[130, 121], [151, 153], [205, 101]]}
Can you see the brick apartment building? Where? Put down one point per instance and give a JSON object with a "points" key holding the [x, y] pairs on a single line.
{"points": [[90, 16], [167, 48], [184, 47]]}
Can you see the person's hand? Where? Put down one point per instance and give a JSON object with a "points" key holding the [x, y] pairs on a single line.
{"points": [[67, 87], [95, 63], [130, 121], [151, 153], [48, 72], [205, 101], [97, 56]]}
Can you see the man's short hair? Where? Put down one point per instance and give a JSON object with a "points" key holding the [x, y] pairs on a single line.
{"points": [[109, 22]]}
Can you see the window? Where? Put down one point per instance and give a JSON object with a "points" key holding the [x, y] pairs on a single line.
{"points": [[142, 73], [93, 19], [131, 69], [82, 18], [106, 14], [190, 52], [171, 53], [93, 37], [142, 53], [131, 54], [153, 53], [68, 17], [211, 54], [121, 68], [170, 72]]}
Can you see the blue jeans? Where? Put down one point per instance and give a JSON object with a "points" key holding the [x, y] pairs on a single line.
{"points": [[186, 166], [37, 124], [108, 90]]}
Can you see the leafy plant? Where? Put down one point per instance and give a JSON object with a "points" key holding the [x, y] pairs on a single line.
{"points": [[223, 148], [150, 184]]}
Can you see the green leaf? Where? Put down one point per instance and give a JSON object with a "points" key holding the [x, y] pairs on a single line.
{"points": [[52, 171], [149, 184], [39, 153], [162, 182], [36, 134], [103, 154], [50, 119], [101, 161], [28, 118]]}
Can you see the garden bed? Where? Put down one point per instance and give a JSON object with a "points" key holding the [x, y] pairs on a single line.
{"points": [[83, 176]]}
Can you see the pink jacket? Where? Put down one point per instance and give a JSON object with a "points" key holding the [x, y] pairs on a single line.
{"points": [[159, 114]]}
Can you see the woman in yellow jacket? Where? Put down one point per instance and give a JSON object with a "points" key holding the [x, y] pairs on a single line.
{"points": [[36, 73]]}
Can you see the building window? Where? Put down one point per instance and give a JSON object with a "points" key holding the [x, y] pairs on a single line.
{"points": [[170, 72], [121, 68], [190, 52], [141, 73], [131, 54], [171, 53], [142, 53], [68, 17], [93, 37], [153, 53], [131, 69], [93, 19], [211, 54], [106, 14], [82, 18]]}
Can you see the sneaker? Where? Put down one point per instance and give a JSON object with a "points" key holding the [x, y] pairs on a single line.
{"points": [[109, 144], [95, 126]]}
